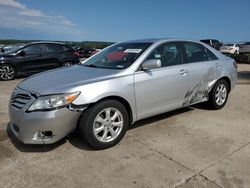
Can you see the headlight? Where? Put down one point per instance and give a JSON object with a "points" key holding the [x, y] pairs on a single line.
{"points": [[51, 102]]}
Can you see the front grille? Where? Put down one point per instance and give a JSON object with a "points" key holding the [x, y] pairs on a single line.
{"points": [[20, 100]]}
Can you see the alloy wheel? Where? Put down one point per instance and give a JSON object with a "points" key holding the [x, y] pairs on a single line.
{"points": [[7, 72], [108, 125], [221, 94]]}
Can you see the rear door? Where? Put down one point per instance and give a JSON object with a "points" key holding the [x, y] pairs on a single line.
{"points": [[204, 69], [52, 56], [162, 89]]}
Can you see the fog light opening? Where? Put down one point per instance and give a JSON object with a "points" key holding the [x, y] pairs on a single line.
{"points": [[43, 135], [47, 134]]}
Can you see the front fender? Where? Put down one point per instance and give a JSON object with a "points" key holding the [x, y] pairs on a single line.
{"points": [[122, 87]]}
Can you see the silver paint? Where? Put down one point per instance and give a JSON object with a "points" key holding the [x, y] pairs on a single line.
{"points": [[147, 92]]}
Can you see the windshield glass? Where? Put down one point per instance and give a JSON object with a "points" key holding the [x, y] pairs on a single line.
{"points": [[119, 56], [14, 50]]}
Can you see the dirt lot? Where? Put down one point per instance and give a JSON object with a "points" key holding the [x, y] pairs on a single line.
{"points": [[192, 147]]}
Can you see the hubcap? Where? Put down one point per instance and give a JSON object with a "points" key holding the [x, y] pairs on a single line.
{"points": [[67, 64], [6, 72], [108, 125], [220, 94]]}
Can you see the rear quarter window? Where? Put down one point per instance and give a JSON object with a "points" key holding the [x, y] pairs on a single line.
{"points": [[67, 48], [54, 48]]}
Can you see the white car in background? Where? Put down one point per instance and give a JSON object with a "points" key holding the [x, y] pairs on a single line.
{"points": [[230, 48]]}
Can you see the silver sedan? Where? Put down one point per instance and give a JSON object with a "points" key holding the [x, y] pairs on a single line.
{"points": [[118, 86]]}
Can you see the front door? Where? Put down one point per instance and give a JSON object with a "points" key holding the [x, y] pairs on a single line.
{"points": [[32, 59], [162, 89]]}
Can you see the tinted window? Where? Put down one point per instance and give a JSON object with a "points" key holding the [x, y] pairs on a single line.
{"points": [[35, 49], [54, 48], [168, 54], [195, 52], [67, 48], [215, 42], [206, 41]]}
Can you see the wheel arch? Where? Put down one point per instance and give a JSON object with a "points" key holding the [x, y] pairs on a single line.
{"points": [[122, 101], [9, 63], [12, 64], [227, 79]]}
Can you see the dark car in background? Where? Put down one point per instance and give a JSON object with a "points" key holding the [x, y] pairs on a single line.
{"points": [[212, 42], [36, 57]]}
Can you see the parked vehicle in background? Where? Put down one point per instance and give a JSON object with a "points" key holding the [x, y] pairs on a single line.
{"points": [[230, 48], [96, 51], [212, 42], [34, 58], [118, 86], [245, 48], [84, 52]]}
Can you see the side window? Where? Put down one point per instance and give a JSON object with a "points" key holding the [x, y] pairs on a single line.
{"points": [[195, 52], [35, 49], [54, 48], [168, 54], [67, 48]]}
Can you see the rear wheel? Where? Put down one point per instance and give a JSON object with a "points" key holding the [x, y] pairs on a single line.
{"points": [[104, 124], [67, 64], [7, 72], [219, 95]]}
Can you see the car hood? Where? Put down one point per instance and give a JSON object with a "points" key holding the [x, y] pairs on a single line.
{"points": [[6, 55], [65, 79]]}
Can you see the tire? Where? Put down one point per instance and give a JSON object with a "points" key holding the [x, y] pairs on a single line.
{"points": [[7, 72], [218, 95], [67, 64], [98, 129]]}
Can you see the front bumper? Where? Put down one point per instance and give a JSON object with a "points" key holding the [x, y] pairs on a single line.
{"points": [[29, 127]]}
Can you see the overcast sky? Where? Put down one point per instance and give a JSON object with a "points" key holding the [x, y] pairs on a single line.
{"points": [[117, 20]]}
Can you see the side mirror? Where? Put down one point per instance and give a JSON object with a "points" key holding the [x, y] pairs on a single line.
{"points": [[151, 64], [21, 53]]}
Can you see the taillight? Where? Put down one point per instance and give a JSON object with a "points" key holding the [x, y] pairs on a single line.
{"points": [[76, 53], [235, 64]]}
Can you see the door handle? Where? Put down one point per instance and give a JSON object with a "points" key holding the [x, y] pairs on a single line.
{"points": [[183, 72]]}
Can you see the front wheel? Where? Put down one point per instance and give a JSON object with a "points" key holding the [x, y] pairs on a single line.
{"points": [[7, 72], [104, 124], [219, 95]]}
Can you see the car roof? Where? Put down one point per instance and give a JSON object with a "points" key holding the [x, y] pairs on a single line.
{"points": [[159, 40]]}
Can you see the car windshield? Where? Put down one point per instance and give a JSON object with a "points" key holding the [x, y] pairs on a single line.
{"points": [[14, 50], [118, 56]]}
